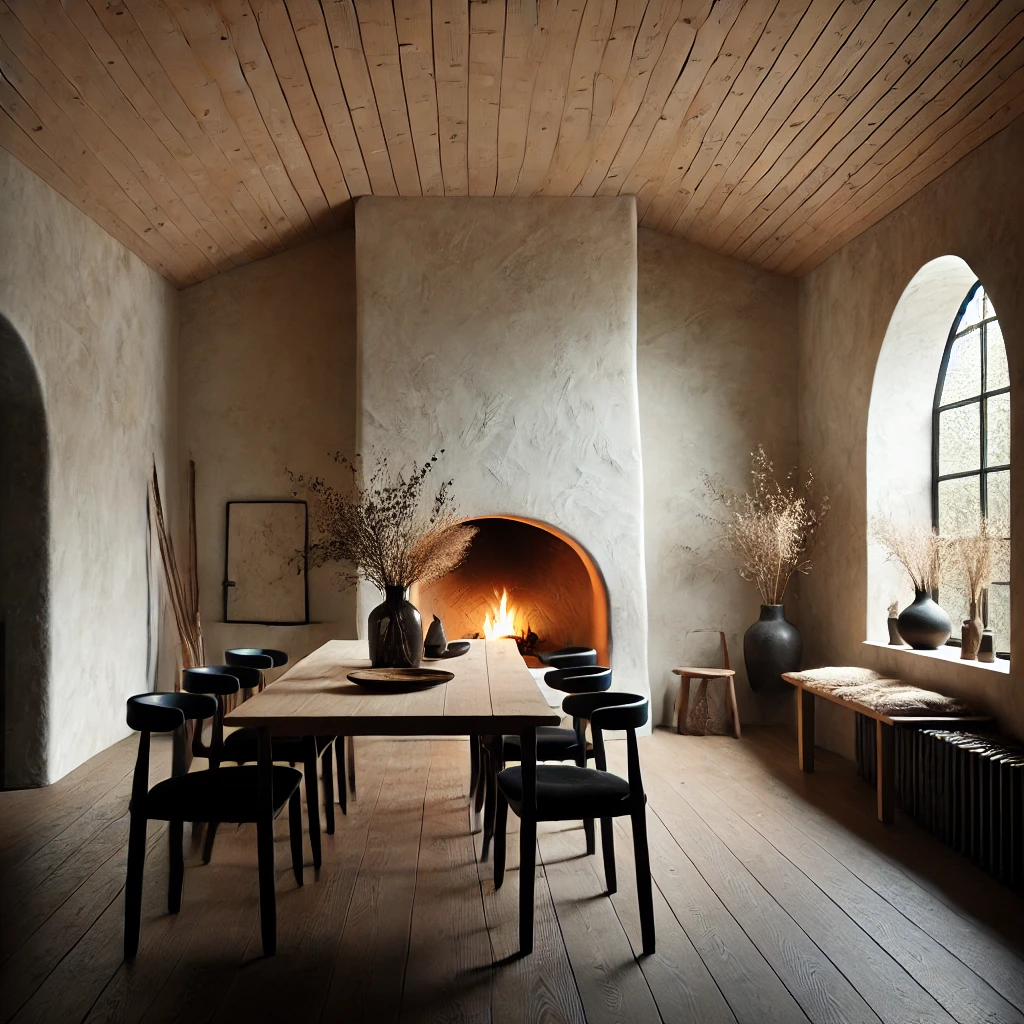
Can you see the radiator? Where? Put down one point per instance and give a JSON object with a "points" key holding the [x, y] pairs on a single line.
{"points": [[966, 788]]}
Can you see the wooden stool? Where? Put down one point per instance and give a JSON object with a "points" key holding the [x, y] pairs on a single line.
{"points": [[688, 674]]}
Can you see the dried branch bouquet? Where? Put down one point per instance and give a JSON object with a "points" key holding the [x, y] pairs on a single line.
{"points": [[385, 528], [771, 528], [917, 548], [973, 555]]}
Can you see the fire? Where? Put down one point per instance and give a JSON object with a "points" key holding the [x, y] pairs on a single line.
{"points": [[500, 621]]}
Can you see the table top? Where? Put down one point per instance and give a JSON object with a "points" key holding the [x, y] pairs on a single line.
{"points": [[492, 692]]}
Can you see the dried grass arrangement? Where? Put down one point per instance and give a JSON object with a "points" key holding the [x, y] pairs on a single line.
{"points": [[389, 529], [183, 593], [919, 549], [973, 556], [771, 528]]}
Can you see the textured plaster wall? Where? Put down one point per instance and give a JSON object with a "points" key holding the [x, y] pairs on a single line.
{"points": [[975, 211], [101, 328], [267, 380], [717, 355], [504, 330]]}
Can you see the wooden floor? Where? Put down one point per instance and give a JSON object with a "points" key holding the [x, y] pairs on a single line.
{"points": [[778, 898]]}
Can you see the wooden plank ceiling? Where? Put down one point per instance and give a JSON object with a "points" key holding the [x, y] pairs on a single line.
{"points": [[207, 133]]}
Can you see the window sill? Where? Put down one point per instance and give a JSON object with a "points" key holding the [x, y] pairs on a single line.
{"points": [[951, 654]]}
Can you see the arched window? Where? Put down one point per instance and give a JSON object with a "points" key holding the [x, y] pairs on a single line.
{"points": [[971, 449]]}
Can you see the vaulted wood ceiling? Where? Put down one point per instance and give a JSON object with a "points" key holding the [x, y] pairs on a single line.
{"points": [[207, 133]]}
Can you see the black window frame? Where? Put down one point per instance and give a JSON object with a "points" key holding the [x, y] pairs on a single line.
{"points": [[981, 399]]}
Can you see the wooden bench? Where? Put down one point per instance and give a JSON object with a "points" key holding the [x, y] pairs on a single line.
{"points": [[817, 683]]}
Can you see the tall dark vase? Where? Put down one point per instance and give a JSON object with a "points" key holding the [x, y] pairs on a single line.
{"points": [[923, 624], [395, 631], [771, 646]]}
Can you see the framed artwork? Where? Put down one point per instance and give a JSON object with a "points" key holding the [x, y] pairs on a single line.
{"points": [[265, 563]]}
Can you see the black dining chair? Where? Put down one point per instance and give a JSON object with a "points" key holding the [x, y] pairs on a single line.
{"points": [[554, 743], [242, 745], [214, 795], [568, 657], [566, 792]]}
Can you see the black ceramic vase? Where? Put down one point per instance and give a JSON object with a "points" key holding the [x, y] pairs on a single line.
{"points": [[395, 631], [923, 624], [771, 646]]}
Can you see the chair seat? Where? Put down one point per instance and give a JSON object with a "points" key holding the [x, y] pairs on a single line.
{"points": [[566, 792], [554, 743], [243, 746], [218, 794]]}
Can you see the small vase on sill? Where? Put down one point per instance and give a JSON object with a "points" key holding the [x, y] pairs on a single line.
{"points": [[923, 624], [970, 634], [987, 649], [895, 640], [395, 631]]}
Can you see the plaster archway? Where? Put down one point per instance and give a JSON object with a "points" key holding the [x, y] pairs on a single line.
{"points": [[899, 438], [24, 565]]}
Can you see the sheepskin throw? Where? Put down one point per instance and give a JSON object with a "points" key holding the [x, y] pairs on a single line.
{"points": [[880, 693]]}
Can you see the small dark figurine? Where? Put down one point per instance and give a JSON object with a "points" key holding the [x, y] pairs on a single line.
{"points": [[435, 643]]}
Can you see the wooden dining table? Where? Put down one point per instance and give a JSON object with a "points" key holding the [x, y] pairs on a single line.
{"points": [[491, 693]]}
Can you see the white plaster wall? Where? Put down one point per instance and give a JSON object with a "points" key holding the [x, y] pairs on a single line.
{"points": [[101, 328], [267, 382], [504, 330], [975, 211], [717, 357]]}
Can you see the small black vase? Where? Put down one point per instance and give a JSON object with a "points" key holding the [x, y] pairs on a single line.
{"points": [[771, 646], [395, 631], [923, 624]]}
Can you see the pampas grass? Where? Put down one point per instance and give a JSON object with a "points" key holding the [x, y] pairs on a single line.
{"points": [[771, 528], [183, 594], [973, 555], [388, 529], [919, 549]]}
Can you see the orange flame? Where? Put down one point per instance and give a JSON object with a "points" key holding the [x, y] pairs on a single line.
{"points": [[500, 621]]}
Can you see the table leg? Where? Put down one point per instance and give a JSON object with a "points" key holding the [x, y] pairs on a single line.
{"points": [[265, 843], [805, 730], [885, 746], [684, 705], [527, 839]]}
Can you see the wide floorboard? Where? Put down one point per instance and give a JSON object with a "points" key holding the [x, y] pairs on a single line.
{"points": [[778, 897]]}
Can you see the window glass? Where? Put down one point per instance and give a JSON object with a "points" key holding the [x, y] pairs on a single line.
{"points": [[959, 505], [963, 370], [997, 430], [975, 311], [999, 615], [999, 503], [960, 439], [997, 373]]}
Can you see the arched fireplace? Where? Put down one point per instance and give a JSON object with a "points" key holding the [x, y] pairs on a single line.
{"points": [[551, 587]]}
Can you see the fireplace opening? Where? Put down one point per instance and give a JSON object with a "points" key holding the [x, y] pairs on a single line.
{"points": [[523, 577]]}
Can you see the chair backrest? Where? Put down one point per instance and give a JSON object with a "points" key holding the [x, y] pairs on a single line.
{"points": [[692, 657], [222, 681], [581, 679], [620, 711], [569, 657], [251, 657]]}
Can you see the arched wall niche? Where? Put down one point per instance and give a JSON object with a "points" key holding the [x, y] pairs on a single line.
{"points": [[24, 565], [899, 437], [550, 577]]}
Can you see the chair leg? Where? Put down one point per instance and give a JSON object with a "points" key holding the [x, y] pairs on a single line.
{"points": [[268, 897], [642, 857], [491, 784], [500, 826], [133, 885], [352, 766], [327, 761], [588, 830], [295, 834], [211, 835], [176, 875], [340, 744], [608, 849], [474, 764], [312, 800]]}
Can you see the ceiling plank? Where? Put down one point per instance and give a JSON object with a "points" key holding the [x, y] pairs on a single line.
{"points": [[932, 40], [641, 163], [142, 151], [486, 44], [769, 51], [55, 99], [549, 90], [416, 50], [310, 29], [951, 78], [279, 38], [527, 24], [578, 110], [343, 28], [953, 137], [741, 40], [633, 36], [451, 75], [380, 44], [238, 211]]}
